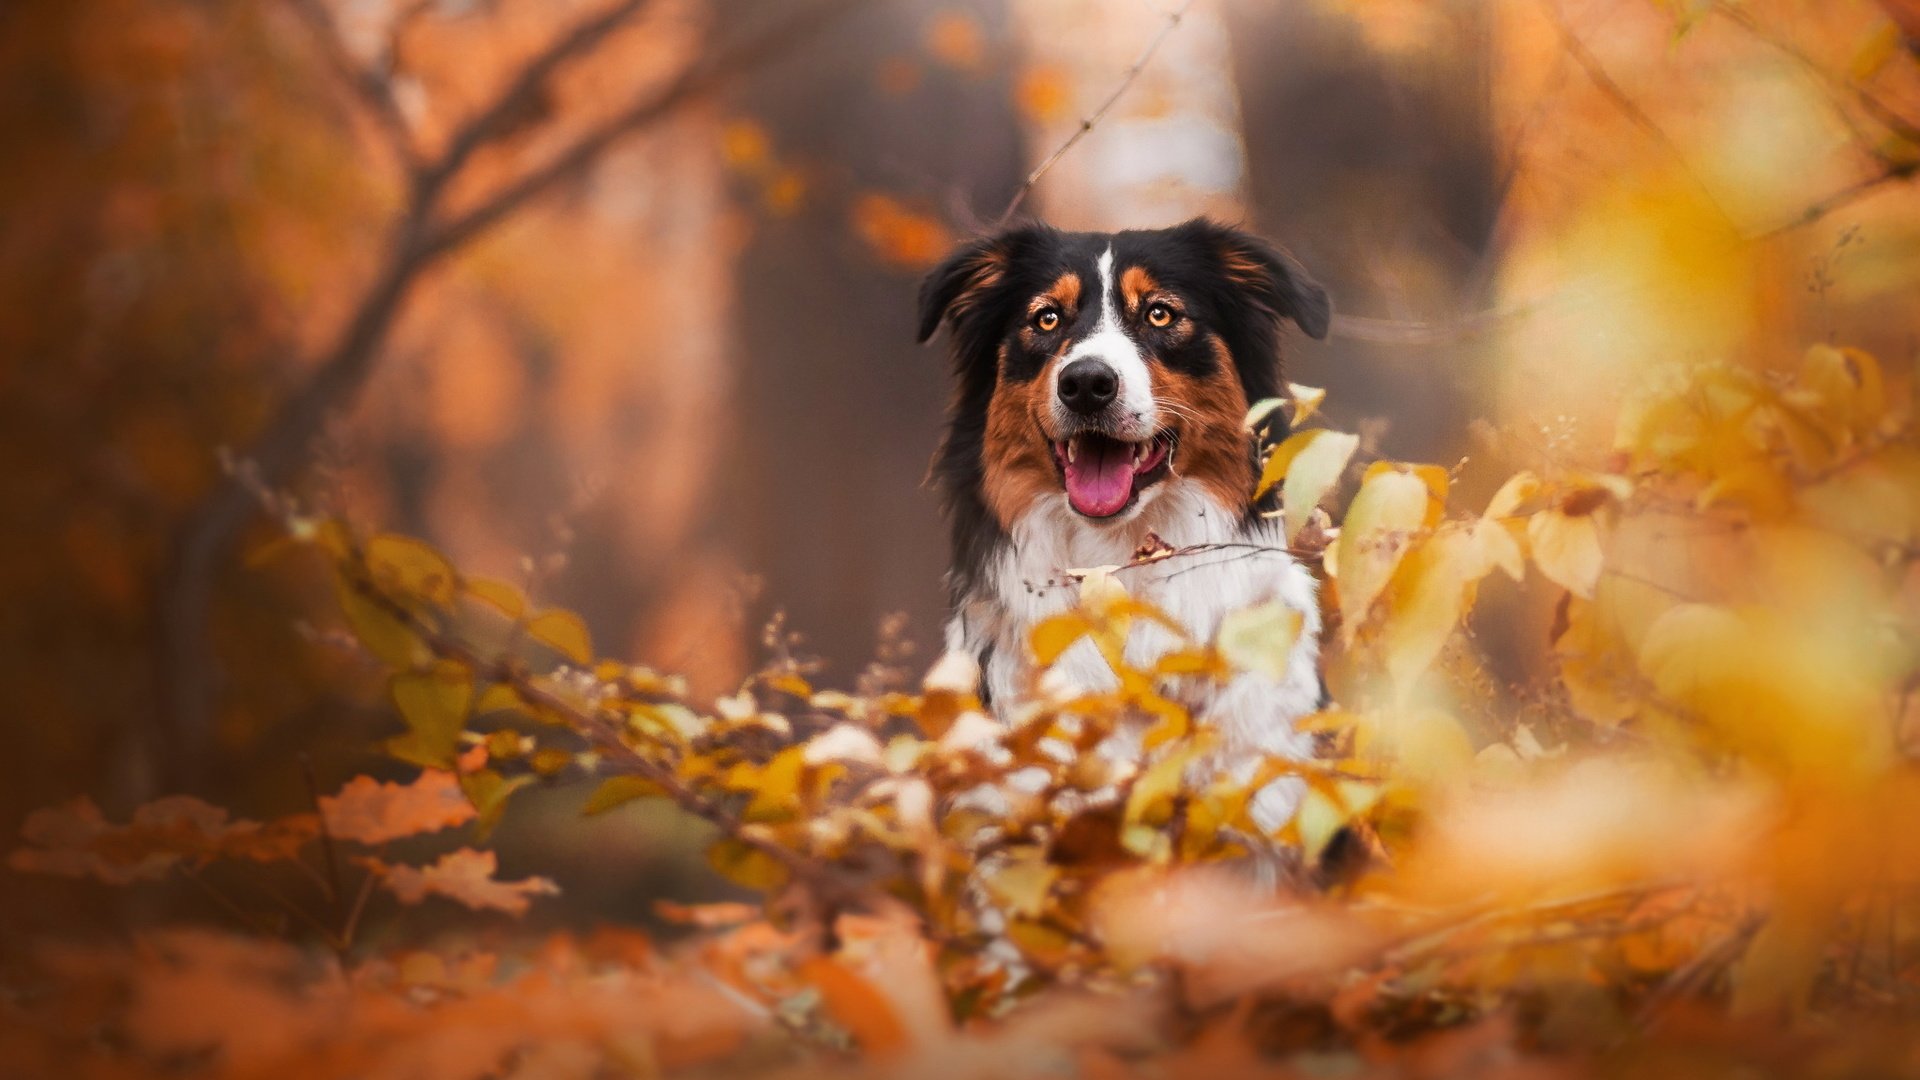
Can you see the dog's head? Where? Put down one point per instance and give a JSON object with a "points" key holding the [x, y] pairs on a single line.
{"points": [[1100, 364]]}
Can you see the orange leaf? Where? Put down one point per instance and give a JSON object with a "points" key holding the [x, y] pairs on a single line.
{"points": [[465, 876], [367, 811]]}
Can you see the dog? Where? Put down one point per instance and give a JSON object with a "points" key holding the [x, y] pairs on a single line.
{"points": [[1103, 381]]}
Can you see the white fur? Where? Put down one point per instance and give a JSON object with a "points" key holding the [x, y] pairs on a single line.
{"points": [[1138, 419], [1026, 582]]}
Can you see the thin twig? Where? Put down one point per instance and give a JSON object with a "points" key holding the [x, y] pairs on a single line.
{"points": [[351, 928], [1172, 21], [332, 881], [1846, 196], [246, 918]]}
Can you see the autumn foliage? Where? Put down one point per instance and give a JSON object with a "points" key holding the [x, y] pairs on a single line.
{"points": [[1618, 775], [1686, 827]]}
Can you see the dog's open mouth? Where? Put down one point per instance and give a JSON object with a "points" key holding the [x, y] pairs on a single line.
{"points": [[1104, 475]]}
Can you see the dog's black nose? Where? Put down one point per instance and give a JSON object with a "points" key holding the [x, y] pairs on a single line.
{"points": [[1087, 386]]}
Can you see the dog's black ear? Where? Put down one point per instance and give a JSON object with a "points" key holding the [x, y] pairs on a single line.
{"points": [[1270, 277], [961, 285], [957, 285]]}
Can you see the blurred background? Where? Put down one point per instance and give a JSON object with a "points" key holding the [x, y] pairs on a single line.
{"points": [[616, 299]]}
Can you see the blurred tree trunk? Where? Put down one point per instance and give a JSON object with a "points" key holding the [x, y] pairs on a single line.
{"points": [[1170, 147], [912, 105], [1374, 161]]}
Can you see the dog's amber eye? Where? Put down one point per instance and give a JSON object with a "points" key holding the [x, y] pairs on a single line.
{"points": [[1159, 315], [1046, 321]]}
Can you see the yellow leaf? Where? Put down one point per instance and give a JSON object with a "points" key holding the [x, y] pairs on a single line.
{"points": [[434, 704], [1595, 667], [1429, 593], [488, 791], [1433, 476], [746, 865], [1567, 549], [386, 637], [1054, 635], [1519, 487], [1260, 638], [1389, 507], [1306, 401], [413, 568], [776, 786], [499, 697], [1317, 820], [1497, 547], [1257, 415], [1312, 472], [506, 598], [565, 632], [1023, 882], [618, 791], [1430, 747]]}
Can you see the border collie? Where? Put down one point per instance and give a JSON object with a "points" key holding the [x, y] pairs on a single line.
{"points": [[1103, 384]]}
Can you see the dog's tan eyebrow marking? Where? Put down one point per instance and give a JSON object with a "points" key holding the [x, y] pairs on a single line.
{"points": [[1135, 286], [1064, 293]]}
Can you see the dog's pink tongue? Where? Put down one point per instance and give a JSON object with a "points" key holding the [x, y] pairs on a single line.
{"points": [[1100, 478]]}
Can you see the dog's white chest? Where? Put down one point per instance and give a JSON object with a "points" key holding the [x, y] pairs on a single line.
{"points": [[1238, 565]]}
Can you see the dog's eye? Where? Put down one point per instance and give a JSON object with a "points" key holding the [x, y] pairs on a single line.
{"points": [[1046, 321], [1159, 315]]}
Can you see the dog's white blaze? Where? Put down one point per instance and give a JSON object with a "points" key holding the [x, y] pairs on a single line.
{"points": [[1139, 418]]}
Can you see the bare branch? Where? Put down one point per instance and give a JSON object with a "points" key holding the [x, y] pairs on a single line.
{"points": [[1167, 28], [1846, 196], [699, 78], [1401, 332], [499, 118], [187, 680], [371, 88], [1621, 100]]}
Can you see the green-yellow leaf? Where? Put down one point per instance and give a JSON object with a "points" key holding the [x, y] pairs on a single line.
{"points": [[434, 703], [1022, 883], [488, 791], [377, 630], [564, 632], [617, 791], [746, 865], [1260, 638], [412, 567], [502, 596]]}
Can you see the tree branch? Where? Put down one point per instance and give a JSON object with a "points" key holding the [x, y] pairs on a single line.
{"points": [[185, 677], [1172, 22], [500, 118]]}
